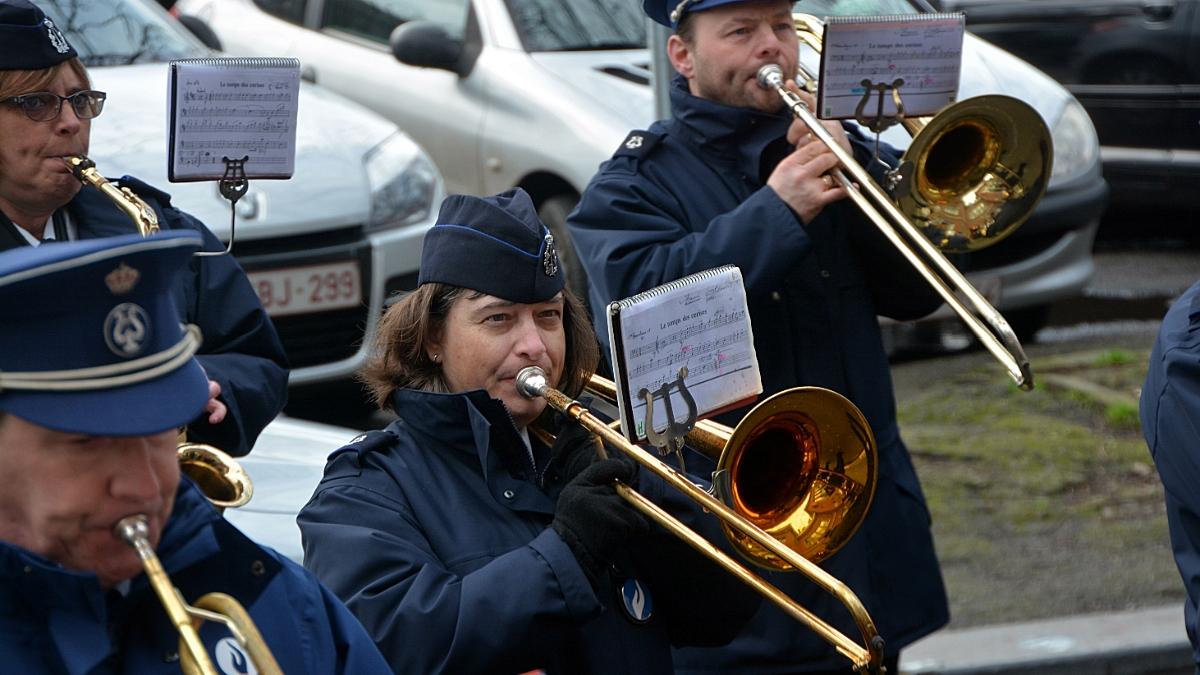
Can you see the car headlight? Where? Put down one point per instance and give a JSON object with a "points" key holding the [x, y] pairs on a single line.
{"points": [[1076, 148], [404, 182]]}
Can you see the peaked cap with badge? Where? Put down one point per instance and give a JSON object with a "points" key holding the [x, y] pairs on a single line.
{"points": [[494, 245], [29, 40], [91, 341], [669, 12]]}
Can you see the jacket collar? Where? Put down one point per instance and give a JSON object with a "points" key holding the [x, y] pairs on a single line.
{"points": [[471, 422], [739, 135]]}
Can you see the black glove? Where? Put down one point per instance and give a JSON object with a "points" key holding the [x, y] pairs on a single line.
{"points": [[574, 450], [593, 520]]}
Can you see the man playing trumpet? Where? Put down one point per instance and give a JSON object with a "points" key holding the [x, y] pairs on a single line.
{"points": [[94, 385]]}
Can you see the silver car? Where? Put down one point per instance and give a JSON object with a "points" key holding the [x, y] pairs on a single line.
{"points": [[538, 93]]}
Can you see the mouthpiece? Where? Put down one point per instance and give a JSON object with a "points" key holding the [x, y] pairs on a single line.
{"points": [[78, 165], [531, 382], [770, 76], [132, 529]]}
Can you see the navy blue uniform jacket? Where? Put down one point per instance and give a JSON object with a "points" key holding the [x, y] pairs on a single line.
{"points": [[1170, 412], [690, 194], [241, 350], [435, 534], [56, 621]]}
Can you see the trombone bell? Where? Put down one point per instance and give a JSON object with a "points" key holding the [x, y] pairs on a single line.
{"points": [[978, 169]]}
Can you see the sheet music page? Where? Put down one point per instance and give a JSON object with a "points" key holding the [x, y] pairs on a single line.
{"points": [[701, 322], [923, 50], [232, 108]]}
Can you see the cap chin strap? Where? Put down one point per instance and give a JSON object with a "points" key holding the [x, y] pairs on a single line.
{"points": [[107, 377], [677, 13]]}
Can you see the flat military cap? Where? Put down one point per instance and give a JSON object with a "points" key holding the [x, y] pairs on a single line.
{"points": [[494, 245], [669, 12], [91, 341], [29, 40]]}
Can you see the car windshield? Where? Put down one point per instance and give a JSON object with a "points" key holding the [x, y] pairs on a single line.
{"points": [[121, 32], [557, 26]]}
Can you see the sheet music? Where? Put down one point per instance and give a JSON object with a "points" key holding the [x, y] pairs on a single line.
{"points": [[924, 50], [701, 322], [232, 108]]}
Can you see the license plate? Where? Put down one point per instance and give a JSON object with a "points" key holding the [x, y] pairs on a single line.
{"points": [[314, 288]]}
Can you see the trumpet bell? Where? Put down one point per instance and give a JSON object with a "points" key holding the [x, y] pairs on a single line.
{"points": [[974, 172], [219, 476], [802, 466]]}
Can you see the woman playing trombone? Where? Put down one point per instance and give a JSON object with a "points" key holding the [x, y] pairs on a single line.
{"points": [[463, 542]]}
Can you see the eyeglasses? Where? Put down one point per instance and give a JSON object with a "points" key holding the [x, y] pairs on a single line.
{"points": [[44, 106]]}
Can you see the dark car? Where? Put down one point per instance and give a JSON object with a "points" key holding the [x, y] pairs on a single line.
{"points": [[1135, 67]]}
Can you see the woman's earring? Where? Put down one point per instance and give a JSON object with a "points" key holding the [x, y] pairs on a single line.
{"points": [[436, 357]]}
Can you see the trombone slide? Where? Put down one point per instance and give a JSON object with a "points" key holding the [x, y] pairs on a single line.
{"points": [[985, 322]]}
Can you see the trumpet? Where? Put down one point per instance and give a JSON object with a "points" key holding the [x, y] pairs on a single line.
{"points": [[971, 175], [770, 433], [224, 483]]}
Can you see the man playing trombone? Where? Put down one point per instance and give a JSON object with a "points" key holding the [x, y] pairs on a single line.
{"points": [[731, 178], [94, 386]]}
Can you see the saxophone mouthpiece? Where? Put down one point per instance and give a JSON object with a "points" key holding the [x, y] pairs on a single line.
{"points": [[78, 164], [770, 76]]}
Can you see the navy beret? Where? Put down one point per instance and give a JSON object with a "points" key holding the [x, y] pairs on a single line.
{"points": [[668, 12], [29, 40], [494, 245], [91, 341]]}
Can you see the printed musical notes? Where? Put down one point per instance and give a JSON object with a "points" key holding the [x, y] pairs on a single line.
{"points": [[921, 53], [701, 322], [232, 107]]}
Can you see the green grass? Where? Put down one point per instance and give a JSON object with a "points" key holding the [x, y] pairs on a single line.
{"points": [[1049, 482]]}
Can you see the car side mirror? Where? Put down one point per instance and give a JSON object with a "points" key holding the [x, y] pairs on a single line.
{"points": [[200, 28], [426, 45]]}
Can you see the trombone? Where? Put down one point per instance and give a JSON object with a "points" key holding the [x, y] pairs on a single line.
{"points": [[971, 175], [224, 483], [838, 483]]}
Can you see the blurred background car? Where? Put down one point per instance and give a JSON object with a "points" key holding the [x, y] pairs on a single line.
{"points": [[287, 463], [346, 228], [1135, 67], [537, 93]]}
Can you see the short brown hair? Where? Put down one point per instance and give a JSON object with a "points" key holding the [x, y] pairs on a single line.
{"points": [[398, 359], [17, 82]]}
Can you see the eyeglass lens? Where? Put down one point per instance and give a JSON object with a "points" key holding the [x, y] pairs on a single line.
{"points": [[43, 106]]}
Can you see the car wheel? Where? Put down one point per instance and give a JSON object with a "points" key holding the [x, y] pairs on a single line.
{"points": [[553, 212]]}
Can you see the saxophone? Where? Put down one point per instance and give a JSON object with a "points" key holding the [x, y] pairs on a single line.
{"points": [[134, 206]]}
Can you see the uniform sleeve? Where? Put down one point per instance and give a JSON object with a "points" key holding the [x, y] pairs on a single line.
{"points": [[501, 617], [1170, 416], [630, 236], [241, 350]]}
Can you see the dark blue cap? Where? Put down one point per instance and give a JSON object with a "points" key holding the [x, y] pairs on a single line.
{"points": [[91, 341], [29, 40], [669, 12], [494, 245]]}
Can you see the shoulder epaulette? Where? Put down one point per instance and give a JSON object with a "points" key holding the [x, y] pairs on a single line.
{"points": [[637, 144], [371, 441]]}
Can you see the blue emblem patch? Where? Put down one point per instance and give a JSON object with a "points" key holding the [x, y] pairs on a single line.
{"points": [[635, 597], [126, 329]]}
